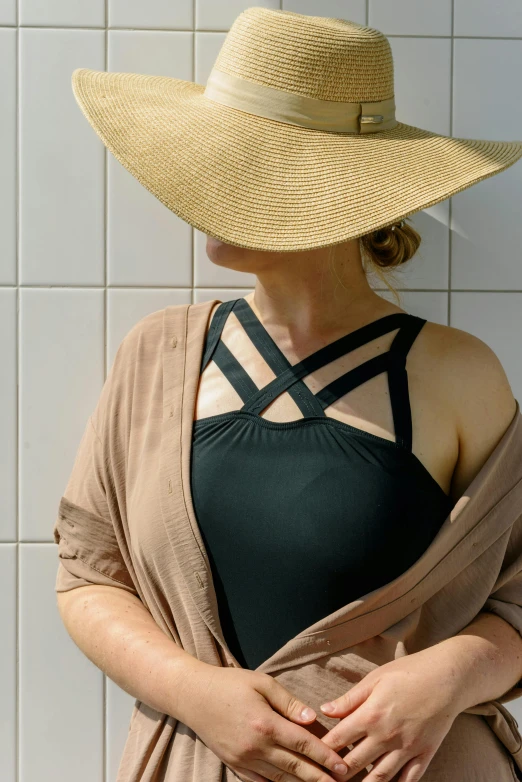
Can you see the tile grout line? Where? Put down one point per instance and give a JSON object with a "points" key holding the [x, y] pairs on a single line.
{"points": [[105, 197], [193, 230], [450, 206], [215, 30], [182, 288], [17, 402]]}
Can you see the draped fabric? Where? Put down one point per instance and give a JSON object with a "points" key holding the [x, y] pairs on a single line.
{"points": [[126, 519]]}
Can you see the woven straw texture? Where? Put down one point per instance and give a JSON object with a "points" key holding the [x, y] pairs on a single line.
{"points": [[262, 184]]}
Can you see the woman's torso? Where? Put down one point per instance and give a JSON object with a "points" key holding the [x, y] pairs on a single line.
{"points": [[367, 407], [305, 506]]}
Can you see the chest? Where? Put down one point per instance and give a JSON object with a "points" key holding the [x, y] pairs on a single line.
{"points": [[367, 406]]}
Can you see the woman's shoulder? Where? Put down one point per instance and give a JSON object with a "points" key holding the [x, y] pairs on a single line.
{"points": [[467, 366], [476, 390]]}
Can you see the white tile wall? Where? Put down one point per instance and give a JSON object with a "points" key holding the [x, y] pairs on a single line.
{"points": [[61, 692], [8, 658], [487, 238], [85, 252], [484, 18], [424, 101], [61, 372], [8, 411], [119, 711], [8, 156], [411, 17], [354, 10], [8, 12], [146, 243], [60, 13], [61, 161], [212, 15], [162, 14]]}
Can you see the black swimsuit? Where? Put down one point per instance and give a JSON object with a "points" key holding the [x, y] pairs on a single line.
{"points": [[299, 518]]}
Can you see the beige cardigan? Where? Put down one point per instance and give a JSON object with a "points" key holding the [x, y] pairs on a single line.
{"points": [[126, 519]]}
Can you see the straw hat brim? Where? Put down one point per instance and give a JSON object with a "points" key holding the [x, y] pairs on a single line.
{"points": [[267, 185]]}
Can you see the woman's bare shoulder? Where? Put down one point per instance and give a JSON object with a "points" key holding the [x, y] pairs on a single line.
{"points": [[477, 393]]}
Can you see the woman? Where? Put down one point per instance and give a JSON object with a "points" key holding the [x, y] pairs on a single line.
{"points": [[334, 436]]}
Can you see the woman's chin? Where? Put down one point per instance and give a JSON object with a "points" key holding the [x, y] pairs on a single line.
{"points": [[217, 249], [223, 254]]}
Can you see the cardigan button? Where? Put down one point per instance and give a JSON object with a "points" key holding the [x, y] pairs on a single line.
{"points": [[174, 341]]}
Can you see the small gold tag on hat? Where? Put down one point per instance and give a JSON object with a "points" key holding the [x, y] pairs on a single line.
{"points": [[371, 118]]}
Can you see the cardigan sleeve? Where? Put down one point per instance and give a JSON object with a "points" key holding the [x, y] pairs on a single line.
{"points": [[505, 599], [88, 527]]}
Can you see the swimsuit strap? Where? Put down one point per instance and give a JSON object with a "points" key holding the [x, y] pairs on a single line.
{"points": [[398, 381], [263, 342], [214, 332], [289, 377]]}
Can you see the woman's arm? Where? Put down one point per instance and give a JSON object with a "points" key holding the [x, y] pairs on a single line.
{"points": [[398, 715], [487, 654], [116, 632], [246, 718], [479, 399], [484, 660]]}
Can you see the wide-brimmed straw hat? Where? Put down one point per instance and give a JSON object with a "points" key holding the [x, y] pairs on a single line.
{"points": [[292, 144]]}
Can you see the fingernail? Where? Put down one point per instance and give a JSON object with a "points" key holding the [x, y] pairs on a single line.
{"points": [[307, 714], [340, 768], [327, 706]]}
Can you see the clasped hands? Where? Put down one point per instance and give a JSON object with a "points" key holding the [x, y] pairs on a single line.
{"points": [[396, 716]]}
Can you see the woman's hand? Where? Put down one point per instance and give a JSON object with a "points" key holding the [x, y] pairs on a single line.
{"points": [[247, 719], [397, 716]]}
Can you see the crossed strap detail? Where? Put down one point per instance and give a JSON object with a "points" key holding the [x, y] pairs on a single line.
{"points": [[289, 377]]}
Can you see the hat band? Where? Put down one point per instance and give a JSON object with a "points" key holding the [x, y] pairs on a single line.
{"points": [[293, 109]]}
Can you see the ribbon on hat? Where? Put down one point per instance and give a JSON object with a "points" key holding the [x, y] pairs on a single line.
{"points": [[294, 109]]}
